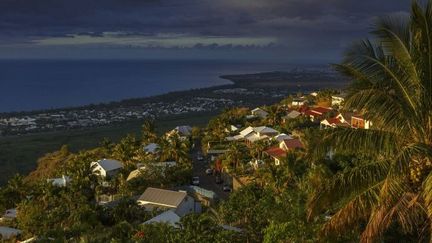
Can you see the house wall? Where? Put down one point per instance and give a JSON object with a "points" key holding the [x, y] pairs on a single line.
{"points": [[99, 171], [186, 206], [357, 123]]}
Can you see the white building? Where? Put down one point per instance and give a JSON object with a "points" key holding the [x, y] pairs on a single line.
{"points": [[337, 100], [168, 217], [298, 102], [7, 232], [10, 214], [60, 182], [106, 167], [152, 148], [184, 132], [258, 112], [159, 165], [253, 134]]}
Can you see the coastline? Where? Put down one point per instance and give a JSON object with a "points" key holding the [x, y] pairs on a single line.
{"points": [[191, 107]]}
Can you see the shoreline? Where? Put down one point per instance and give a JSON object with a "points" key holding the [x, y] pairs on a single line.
{"points": [[246, 90]]}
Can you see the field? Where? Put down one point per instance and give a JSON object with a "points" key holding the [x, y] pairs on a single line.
{"points": [[18, 154]]}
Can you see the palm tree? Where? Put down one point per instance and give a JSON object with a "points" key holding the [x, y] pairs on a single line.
{"points": [[274, 115], [392, 84], [235, 154], [174, 148], [148, 132]]}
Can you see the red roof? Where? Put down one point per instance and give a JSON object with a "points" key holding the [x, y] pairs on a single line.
{"points": [[318, 111], [276, 152], [293, 143], [321, 110], [334, 120]]}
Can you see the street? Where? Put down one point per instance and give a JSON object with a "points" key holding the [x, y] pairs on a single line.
{"points": [[206, 181]]}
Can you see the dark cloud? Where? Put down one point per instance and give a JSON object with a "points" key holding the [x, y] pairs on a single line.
{"points": [[305, 24]]}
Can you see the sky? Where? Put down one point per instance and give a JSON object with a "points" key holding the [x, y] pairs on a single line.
{"points": [[291, 30]]}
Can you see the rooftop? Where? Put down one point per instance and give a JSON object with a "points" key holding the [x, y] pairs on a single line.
{"points": [[162, 197]]}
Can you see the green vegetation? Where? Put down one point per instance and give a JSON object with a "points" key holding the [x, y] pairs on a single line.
{"points": [[19, 154], [343, 184], [387, 189]]}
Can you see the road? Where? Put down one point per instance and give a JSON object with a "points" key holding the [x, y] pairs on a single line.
{"points": [[206, 181]]}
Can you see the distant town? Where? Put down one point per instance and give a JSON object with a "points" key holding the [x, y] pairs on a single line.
{"points": [[248, 90]]}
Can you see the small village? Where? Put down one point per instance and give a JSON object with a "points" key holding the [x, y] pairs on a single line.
{"points": [[190, 170], [105, 115]]}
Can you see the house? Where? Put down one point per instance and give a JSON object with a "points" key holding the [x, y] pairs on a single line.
{"points": [[259, 133], [60, 182], [256, 163], [317, 113], [291, 115], [282, 137], [279, 153], [299, 101], [183, 131], [232, 128], [340, 120], [106, 167], [160, 165], [152, 148], [258, 112], [6, 232], [168, 217], [358, 121], [177, 201], [337, 100], [10, 214], [253, 134]]}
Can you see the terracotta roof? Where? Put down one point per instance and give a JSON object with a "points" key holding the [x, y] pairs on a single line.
{"points": [[334, 120], [276, 152], [321, 110], [293, 143]]}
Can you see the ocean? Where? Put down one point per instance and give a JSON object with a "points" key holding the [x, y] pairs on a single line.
{"points": [[27, 85]]}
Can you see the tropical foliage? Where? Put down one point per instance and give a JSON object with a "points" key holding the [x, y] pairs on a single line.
{"points": [[390, 189]]}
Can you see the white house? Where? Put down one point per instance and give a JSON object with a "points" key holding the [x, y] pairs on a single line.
{"points": [[182, 131], [7, 232], [299, 101], [281, 137], [258, 112], [10, 214], [253, 134], [337, 100], [168, 217], [177, 201], [60, 182], [106, 167], [152, 148], [160, 165]]}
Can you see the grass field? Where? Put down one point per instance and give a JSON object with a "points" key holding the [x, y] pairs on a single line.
{"points": [[18, 154]]}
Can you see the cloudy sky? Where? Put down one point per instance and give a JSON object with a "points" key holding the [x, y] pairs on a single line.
{"points": [[296, 30]]}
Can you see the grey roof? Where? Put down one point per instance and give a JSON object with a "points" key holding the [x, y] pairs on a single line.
{"points": [[184, 130], [7, 232], [292, 115], [151, 148], [109, 164], [168, 217], [162, 197]]}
